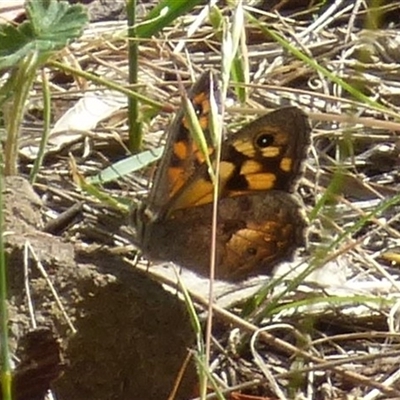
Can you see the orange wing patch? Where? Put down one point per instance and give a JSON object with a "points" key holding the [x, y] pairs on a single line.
{"points": [[186, 156]]}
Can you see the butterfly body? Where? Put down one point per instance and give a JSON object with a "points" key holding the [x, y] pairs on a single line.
{"points": [[259, 220]]}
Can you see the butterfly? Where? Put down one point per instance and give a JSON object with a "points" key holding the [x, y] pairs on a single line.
{"points": [[260, 221]]}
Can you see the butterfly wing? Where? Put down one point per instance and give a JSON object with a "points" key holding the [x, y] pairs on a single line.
{"points": [[254, 233], [182, 157], [266, 154]]}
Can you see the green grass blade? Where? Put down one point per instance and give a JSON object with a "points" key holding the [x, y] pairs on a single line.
{"points": [[317, 67], [127, 166], [197, 133], [240, 63], [320, 258], [108, 84], [163, 14]]}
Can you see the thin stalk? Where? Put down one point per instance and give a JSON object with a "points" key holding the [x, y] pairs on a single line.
{"points": [[14, 114], [6, 376], [46, 127], [135, 131], [110, 85]]}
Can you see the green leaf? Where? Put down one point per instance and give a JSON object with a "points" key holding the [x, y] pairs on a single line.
{"points": [[13, 44], [55, 23], [51, 25]]}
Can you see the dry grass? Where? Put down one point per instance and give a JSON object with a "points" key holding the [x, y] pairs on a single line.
{"points": [[334, 339]]}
